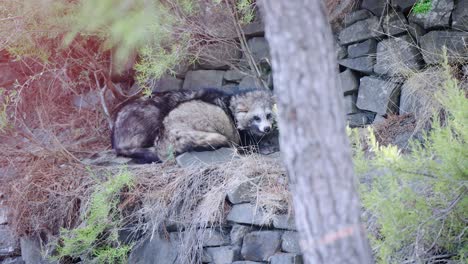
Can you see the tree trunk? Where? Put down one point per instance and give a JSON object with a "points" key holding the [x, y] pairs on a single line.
{"points": [[313, 141]]}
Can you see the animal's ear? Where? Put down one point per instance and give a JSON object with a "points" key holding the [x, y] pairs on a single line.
{"points": [[273, 98], [242, 108]]}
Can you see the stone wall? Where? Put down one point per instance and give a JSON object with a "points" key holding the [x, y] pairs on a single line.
{"points": [[248, 236], [382, 47]]}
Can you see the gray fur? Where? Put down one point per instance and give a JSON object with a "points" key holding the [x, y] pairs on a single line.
{"points": [[196, 125]]}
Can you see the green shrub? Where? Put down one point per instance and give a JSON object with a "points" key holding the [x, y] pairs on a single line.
{"points": [[417, 203], [422, 7], [97, 238]]}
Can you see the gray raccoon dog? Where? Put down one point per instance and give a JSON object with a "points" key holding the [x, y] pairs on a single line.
{"points": [[150, 130]]}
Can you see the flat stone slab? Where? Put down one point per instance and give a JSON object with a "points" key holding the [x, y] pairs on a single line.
{"points": [[417, 91], [398, 57], [416, 31], [223, 255], [245, 192], [259, 49], [260, 245], [238, 233], [204, 158], [32, 251], [247, 214], [9, 244], [433, 42], [375, 6], [404, 5], [233, 76], [378, 95], [349, 81], [290, 242], [360, 119], [157, 250], [394, 23], [202, 79], [247, 262], [356, 16], [361, 30], [167, 83], [3, 215], [286, 258], [460, 16], [361, 64], [250, 82], [284, 222], [364, 48], [210, 237], [350, 104]]}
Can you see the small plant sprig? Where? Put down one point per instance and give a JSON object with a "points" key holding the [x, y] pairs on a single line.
{"points": [[422, 7], [96, 239]]}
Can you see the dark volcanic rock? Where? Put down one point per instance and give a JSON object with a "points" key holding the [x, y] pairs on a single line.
{"points": [[460, 16], [360, 119], [222, 255], [286, 258], [247, 214], [362, 49], [438, 16], [202, 79], [157, 250], [361, 64], [397, 56], [350, 104], [394, 23], [355, 16], [260, 245], [361, 30], [433, 42], [290, 242], [9, 244], [349, 81], [375, 6], [378, 95], [404, 5], [167, 83]]}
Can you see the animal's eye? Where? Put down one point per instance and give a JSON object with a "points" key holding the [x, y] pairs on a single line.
{"points": [[256, 118], [268, 116]]}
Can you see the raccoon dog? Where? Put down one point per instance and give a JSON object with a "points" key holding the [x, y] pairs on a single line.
{"points": [[179, 121]]}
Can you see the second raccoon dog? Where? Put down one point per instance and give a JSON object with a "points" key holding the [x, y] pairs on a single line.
{"points": [[146, 129]]}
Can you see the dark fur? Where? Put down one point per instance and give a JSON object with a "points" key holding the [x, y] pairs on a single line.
{"points": [[140, 122]]}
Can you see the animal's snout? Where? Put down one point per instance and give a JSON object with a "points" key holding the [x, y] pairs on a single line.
{"points": [[267, 129]]}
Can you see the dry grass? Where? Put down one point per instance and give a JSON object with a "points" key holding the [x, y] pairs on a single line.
{"points": [[43, 143], [194, 199], [387, 131]]}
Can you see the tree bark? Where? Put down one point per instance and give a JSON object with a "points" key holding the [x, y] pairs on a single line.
{"points": [[313, 141]]}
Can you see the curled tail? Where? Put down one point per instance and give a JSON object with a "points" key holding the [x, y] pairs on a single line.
{"points": [[139, 155]]}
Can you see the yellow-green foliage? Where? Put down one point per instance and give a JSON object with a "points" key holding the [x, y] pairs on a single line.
{"points": [[97, 238], [422, 7], [7, 98], [420, 200], [40, 21], [246, 10]]}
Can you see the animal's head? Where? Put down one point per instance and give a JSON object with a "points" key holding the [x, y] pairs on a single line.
{"points": [[253, 111]]}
